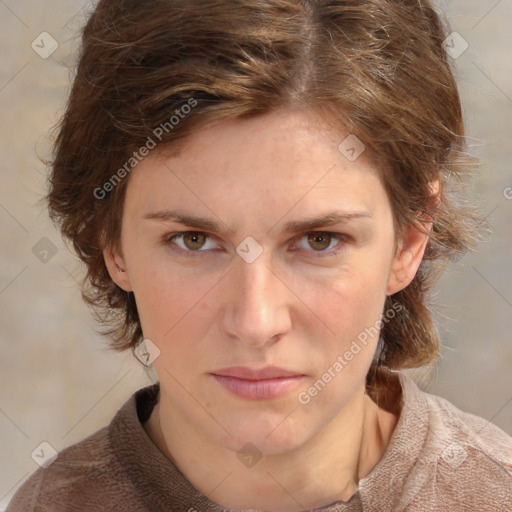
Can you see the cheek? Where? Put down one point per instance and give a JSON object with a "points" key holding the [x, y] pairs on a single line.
{"points": [[342, 359], [166, 299], [351, 308], [354, 301]]}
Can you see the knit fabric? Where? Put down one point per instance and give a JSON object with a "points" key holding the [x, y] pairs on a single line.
{"points": [[439, 459]]}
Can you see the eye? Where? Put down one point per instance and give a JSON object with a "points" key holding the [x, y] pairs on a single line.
{"points": [[191, 241], [321, 241]]}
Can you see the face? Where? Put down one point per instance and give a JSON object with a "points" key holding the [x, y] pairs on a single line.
{"points": [[259, 281]]}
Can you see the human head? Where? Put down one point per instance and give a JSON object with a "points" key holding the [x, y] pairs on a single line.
{"points": [[375, 69], [231, 268]]}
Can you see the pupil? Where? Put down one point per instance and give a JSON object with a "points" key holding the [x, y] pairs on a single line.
{"points": [[324, 241], [194, 239]]}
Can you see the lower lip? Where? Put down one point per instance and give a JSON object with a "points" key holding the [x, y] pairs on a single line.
{"points": [[258, 389]]}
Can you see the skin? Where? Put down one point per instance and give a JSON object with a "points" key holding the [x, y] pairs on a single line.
{"points": [[298, 306]]}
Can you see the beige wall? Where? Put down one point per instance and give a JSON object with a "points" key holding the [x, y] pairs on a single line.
{"points": [[58, 383]]}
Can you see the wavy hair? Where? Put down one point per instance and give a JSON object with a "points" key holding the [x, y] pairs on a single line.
{"points": [[376, 68]]}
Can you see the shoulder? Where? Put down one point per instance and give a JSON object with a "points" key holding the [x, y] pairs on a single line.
{"points": [[470, 432], [466, 458], [87, 475], [66, 479]]}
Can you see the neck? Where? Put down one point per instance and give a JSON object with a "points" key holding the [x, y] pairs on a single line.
{"points": [[325, 469]]}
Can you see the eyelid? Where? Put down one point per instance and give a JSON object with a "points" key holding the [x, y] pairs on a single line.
{"points": [[168, 239], [341, 237]]}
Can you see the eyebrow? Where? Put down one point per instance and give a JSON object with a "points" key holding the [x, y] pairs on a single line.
{"points": [[296, 226]]}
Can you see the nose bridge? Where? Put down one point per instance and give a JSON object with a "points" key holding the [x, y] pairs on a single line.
{"points": [[255, 281], [256, 311]]}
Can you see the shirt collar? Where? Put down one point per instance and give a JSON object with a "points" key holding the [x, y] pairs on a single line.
{"points": [[388, 487]]}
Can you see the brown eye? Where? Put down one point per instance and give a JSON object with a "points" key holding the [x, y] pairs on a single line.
{"points": [[322, 243], [194, 240], [319, 241], [190, 242]]}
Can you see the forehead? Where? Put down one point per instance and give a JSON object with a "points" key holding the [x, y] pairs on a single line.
{"points": [[277, 161], [281, 134]]}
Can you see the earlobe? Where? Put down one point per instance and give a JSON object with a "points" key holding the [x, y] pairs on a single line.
{"points": [[407, 260], [410, 252], [117, 268]]}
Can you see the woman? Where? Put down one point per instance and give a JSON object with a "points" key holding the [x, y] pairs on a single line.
{"points": [[261, 193]]}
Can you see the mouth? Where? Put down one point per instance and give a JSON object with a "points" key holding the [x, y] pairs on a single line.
{"points": [[257, 384]]}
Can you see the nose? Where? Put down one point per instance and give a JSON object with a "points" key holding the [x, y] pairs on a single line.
{"points": [[257, 305]]}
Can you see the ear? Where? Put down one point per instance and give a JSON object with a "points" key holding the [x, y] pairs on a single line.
{"points": [[117, 268], [411, 249]]}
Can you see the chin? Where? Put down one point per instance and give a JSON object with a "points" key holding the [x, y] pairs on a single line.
{"points": [[267, 432]]}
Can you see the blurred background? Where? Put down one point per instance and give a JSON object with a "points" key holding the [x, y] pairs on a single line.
{"points": [[58, 383]]}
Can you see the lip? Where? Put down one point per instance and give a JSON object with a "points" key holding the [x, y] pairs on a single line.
{"points": [[257, 384], [248, 373]]}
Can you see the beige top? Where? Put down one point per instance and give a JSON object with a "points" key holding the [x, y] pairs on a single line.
{"points": [[439, 459]]}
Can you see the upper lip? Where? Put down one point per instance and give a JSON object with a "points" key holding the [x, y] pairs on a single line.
{"points": [[244, 372]]}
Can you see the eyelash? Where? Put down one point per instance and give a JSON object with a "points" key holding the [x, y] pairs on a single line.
{"points": [[342, 238]]}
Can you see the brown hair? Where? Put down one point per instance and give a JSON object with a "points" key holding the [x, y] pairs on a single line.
{"points": [[375, 67]]}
